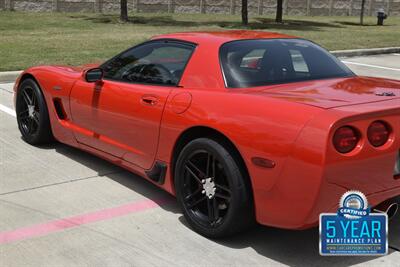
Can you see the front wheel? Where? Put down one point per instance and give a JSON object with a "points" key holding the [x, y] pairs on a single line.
{"points": [[212, 190], [32, 115]]}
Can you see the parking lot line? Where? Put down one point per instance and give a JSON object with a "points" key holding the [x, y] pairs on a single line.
{"points": [[368, 65], [75, 221], [7, 110]]}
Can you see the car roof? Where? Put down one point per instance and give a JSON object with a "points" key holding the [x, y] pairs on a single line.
{"points": [[221, 37]]}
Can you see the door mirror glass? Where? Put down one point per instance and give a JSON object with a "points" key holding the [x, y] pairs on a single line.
{"points": [[94, 75]]}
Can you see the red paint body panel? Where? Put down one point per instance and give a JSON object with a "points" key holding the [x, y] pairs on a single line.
{"points": [[289, 124], [127, 130], [332, 93]]}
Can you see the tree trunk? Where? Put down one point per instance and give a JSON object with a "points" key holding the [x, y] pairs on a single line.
{"points": [[124, 10], [279, 11], [245, 17], [362, 12]]}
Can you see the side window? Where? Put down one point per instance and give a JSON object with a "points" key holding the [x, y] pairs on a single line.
{"points": [[159, 63]]}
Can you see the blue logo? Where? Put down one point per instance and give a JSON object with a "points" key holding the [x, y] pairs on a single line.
{"points": [[353, 230]]}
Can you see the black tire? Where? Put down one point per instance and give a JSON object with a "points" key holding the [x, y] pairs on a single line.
{"points": [[229, 209], [32, 114]]}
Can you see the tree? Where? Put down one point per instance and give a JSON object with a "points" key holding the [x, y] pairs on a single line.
{"points": [[124, 10], [362, 12], [245, 16], [279, 11]]}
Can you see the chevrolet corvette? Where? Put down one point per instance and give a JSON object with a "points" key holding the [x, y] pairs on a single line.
{"points": [[240, 126]]}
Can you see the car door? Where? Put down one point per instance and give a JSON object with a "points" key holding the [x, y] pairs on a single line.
{"points": [[121, 114]]}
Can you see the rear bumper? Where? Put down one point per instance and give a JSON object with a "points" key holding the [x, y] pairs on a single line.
{"points": [[301, 207], [374, 200]]}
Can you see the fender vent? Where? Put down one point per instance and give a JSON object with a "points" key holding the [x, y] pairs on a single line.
{"points": [[59, 109]]}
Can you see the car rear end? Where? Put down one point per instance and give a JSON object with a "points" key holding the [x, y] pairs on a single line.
{"points": [[352, 147], [361, 153]]}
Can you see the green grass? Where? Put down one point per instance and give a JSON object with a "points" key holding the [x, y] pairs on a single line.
{"points": [[28, 39]]}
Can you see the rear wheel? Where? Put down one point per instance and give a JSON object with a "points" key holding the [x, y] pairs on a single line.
{"points": [[32, 115], [212, 190]]}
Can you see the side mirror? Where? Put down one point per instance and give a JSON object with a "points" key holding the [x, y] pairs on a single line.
{"points": [[94, 75]]}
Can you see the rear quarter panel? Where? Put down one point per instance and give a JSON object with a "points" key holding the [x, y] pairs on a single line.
{"points": [[259, 127]]}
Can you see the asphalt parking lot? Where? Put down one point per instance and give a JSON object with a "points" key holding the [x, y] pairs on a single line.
{"points": [[62, 207]]}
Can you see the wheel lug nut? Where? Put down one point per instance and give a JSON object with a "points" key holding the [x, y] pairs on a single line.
{"points": [[203, 181], [210, 196], [203, 192]]}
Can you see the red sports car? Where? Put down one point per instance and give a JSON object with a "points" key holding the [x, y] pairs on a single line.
{"points": [[241, 126]]}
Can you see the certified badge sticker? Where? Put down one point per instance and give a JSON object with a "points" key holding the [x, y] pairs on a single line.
{"points": [[353, 205], [353, 230]]}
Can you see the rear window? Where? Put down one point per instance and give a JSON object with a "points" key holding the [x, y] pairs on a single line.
{"points": [[249, 63]]}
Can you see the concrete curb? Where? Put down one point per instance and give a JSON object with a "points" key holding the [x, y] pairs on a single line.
{"points": [[365, 52], [11, 76]]}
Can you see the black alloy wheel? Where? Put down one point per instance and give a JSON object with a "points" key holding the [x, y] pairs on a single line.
{"points": [[212, 189], [32, 115]]}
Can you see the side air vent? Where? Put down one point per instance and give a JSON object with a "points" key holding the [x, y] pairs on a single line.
{"points": [[59, 109]]}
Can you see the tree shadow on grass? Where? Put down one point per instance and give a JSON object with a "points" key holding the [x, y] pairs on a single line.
{"points": [[293, 24], [259, 23], [104, 18], [352, 23]]}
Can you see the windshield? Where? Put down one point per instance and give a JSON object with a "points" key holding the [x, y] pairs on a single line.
{"points": [[249, 63]]}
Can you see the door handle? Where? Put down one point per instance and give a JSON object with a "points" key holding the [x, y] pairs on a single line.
{"points": [[149, 100]]}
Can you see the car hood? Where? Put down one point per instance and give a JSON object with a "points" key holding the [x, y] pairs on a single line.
{"points": [[332, 93]]}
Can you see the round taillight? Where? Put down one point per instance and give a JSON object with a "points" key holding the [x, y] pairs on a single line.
{"points": [[378, 133], [345, 139]]}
